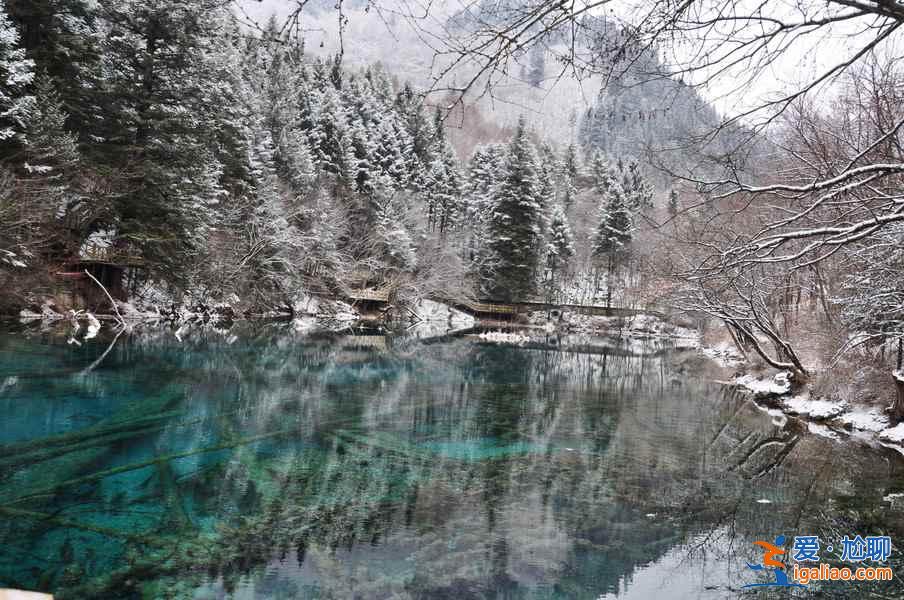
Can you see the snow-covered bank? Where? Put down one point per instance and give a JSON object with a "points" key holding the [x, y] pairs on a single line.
{"points": [[832, 418], [762, 388], [307, 314]]}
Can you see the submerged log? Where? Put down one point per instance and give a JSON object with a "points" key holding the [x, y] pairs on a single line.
{"points": [[49, 448], [94, 477], [18, 513]]}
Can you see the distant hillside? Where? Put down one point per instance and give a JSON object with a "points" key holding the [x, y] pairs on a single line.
{"points": [[629, 113]]}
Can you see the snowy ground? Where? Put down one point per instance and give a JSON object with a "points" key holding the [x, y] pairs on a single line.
{"points": [[829, 418], [893, 434], [819, 410], [761, 387]]}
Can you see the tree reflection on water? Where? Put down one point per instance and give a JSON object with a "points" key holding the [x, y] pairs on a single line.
{"points": [[274, 465]]}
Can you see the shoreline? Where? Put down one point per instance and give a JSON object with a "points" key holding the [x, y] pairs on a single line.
{"points": [[838, 420]]}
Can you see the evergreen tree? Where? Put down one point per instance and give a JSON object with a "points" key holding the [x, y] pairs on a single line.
{"points": [[615, 229], [336, 73], [560, 242], [536, 72], [392, 229], [270, 247], [364, 148], [516, 225], [50, 164], [571, 164], [408, 105], [673, 204], [295, 161], [328, 132], [613, 234], [443, 191], [393, 146], [347, 163], [381, 84], [638, 193], [601, 173], [484, 172], [550, 174], [62, 38], [172, 122], [569, 195], [16, 73]]}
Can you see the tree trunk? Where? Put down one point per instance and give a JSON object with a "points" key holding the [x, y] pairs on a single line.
{"points": [[898, 407], [609, 284], [898, 378]]}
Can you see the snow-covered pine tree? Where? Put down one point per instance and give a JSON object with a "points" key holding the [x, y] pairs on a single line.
{"points": [[16, 74], [329, 131], [484, 173], [673, 204], [392, 227], [536, 72], [62, 38], [392, 149], [613, 235], [364, 147], [443, 188], [550, 174], [615, 229], [171, 106], [408, 105], [49, 169], [559, 248], [601, 173], [336, 71], [260, 262], [380, 83], [360, 102], [515, 228], [347, 163], [295, 161], [638, 193], [571, 165]]}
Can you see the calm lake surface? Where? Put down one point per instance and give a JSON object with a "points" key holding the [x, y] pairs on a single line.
{"points": [[257, 462]]}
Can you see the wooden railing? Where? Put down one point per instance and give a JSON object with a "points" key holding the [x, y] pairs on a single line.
{"points": [[114, 255], [489, 308]]}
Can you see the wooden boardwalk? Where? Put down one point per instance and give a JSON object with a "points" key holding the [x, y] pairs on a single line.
{"points": [[377, 297]]}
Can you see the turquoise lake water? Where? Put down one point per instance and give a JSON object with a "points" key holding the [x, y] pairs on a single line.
{"points": [[256, 462]]}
